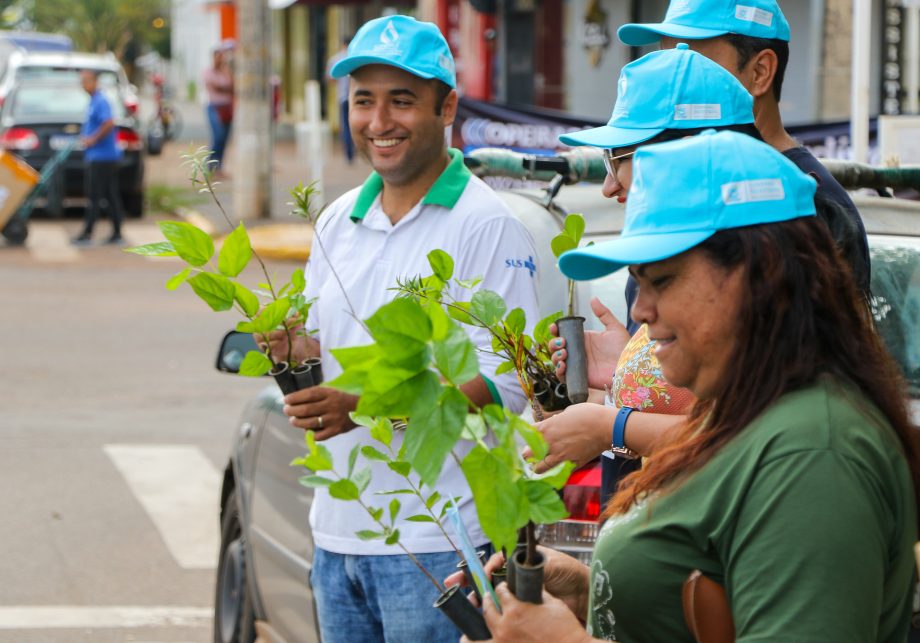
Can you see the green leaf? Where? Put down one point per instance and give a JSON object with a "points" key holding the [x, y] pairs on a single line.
{"points": [[499, 500], [272, 315], [532, 437], [382, 431], [393, 392], [216, 290], [442, 264], [433, 431], [158, 249], [178, 279], [440, 322], [421, 518], [541, 330], [473, 428], [371, 453], [298, 281], [458, 310], [432, 500], [376, 513], [246, 299], [504, 367], [544, 504], [362, 478], [399, 467], [469, 284], [455, 357], [356, 355], [353, 458], [396, 492], [393, 538], [255, 364], [367, 534], [557, 476], [488, 307], [235, 252], [401, 328], [575, 226], [344, 490], [516, 321], [315, 481], [192, 244], [562, 243], [394, 509], [318, 457]]}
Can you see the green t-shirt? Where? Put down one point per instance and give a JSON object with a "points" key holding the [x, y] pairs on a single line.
{"points": [[807, 518]]}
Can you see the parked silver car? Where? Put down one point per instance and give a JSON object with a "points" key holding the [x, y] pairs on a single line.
{"points": [[266, 550]]}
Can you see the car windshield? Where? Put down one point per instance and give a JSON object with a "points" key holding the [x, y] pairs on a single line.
{"points": [[107, 78], [896, 301], [35, 103]]}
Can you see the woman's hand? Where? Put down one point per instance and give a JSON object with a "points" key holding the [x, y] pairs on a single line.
{"points": [[521, 622], [496, 561], [602, 348], [580, 433]]}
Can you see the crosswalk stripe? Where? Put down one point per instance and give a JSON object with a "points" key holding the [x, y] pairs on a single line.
{"points": [[179, 489], [78, 617]]}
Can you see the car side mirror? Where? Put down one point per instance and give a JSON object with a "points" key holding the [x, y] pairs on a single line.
{"points": [[233, 349]]}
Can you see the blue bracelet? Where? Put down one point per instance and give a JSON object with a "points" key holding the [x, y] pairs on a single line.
{"points": [[619, 427]]}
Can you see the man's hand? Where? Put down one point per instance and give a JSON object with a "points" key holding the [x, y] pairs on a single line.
{"points": [[301, 345], [324, 410], [601, 348]]}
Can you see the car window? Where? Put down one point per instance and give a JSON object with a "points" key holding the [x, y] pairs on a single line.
{"points": [[896, 301], [107, 78], [58, 103]]}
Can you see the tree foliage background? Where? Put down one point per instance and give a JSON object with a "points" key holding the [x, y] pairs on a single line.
{"points": [[94, 25]]}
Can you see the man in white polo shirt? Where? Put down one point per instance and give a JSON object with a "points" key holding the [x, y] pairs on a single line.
{"points": [[420, 197]]}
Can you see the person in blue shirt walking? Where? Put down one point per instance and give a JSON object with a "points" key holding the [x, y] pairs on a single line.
{"points": [[102, 155]]}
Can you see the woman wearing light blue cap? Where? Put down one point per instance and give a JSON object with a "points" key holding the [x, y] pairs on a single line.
{"points": [[793, 484]]}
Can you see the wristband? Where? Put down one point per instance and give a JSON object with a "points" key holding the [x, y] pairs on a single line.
{"points": [[618, 443]]}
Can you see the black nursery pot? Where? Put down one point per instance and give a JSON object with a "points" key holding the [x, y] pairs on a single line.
{"points": [[528, 579], [499, 576], [304, 375], [285, 378], [461, 612], [316, 369], [551, 395], [572, 330], [468, 573]]}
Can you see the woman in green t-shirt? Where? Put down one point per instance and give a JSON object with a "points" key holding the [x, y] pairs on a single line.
{"points": [[793, 482]]}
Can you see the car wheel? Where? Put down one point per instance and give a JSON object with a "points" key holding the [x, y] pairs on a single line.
{"points": [[16, 231], [234, 618]]}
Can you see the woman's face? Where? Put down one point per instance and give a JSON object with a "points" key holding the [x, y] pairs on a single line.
{"points": [[692, 308], [616, 185]]}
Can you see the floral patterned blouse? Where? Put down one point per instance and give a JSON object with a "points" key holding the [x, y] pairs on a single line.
{"points": [[639, 384]]}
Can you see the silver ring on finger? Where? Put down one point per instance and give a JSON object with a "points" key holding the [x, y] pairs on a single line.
{"points": [[319, 422]]}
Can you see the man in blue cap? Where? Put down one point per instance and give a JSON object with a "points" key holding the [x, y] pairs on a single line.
{"points": [[419, 198], [750, 38]]}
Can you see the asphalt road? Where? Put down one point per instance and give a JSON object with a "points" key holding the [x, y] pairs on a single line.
{"points": [[115, 431]]}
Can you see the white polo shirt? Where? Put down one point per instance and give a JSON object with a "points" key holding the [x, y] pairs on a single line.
{"points": [[464, 217]]}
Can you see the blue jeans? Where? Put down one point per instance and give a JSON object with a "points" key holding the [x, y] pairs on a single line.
{"points": [[220, 132], [370, 599]]}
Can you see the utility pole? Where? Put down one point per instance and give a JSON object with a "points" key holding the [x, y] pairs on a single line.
{"points": [[859, 89], [252, 125]]}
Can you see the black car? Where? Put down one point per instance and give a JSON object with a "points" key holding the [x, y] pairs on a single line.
{"points": [[38, 118]]}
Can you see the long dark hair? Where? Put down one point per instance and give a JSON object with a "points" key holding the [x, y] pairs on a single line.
{"points": [[802, 317]]}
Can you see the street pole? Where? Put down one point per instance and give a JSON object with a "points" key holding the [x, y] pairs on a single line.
{"points": [[912, 53], [859, 86], [252, 113]]}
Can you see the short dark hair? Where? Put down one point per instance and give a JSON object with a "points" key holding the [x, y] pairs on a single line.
{"points": [[748, 46], [441, 91], [674, 134]]}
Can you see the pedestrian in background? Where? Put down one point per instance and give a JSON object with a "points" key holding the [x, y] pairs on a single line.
{"points": [[102, 154], [341, 85], [218, 80]]}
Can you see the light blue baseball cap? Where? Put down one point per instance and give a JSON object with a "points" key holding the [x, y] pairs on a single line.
{"points": [[669, 89], [403, 42], [698, 19], [685, 191]]}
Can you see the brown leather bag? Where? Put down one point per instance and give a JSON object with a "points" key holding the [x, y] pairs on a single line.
{"points": [[706, 610]]}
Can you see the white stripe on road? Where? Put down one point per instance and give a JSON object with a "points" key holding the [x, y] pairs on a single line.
{"points": [[78, 617], [180, 490]]}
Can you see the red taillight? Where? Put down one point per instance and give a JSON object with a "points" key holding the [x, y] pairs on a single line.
{"points": [[131, 106], [19, 138], [582, 493], [128, 140]]}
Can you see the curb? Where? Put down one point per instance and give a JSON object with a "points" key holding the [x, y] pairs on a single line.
{"points": [[280, 241]]}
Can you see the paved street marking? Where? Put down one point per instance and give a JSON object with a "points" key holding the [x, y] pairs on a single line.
{"points": [[79, 617], [180, 489], [51, 243]]}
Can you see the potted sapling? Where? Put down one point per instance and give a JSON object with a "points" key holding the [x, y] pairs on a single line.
{"points": [[572, 327], [214, 277]]}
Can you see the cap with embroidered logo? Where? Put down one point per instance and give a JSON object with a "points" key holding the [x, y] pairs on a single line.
{"points": [[403, 42], [723, 180], [699, 19], [669, 89]]}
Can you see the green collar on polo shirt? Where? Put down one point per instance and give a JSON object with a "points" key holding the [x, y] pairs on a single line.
{"points": [[445, 191]]}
